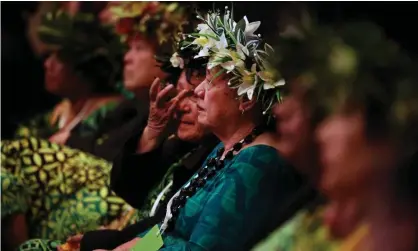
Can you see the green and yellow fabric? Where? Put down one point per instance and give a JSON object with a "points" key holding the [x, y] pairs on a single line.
{"points": [[45, 243], [62, 190]]}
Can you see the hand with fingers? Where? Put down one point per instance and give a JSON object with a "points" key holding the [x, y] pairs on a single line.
{"points": [[162, 107], [72, 244]]}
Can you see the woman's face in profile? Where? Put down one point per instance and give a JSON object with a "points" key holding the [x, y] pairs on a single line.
{"points": [[351, 160], [293, 125], [140, 66], [59, 78], [217, 103]]}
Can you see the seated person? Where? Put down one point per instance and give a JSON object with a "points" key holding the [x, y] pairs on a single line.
{"points": [[346, 143], [78, 73], [174, 160], [244, 178], [51, 176]]}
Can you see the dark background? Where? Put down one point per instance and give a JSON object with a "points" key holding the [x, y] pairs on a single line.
{"points": [[22, 93]]}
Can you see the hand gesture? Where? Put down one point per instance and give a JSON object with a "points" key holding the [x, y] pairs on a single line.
{"points": [[162, 107]]}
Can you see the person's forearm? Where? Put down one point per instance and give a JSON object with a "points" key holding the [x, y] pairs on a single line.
{"points": [[149, 141]]}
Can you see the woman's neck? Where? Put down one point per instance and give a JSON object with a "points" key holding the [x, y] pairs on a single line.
{"points": [[77, 104], [231, 133]]}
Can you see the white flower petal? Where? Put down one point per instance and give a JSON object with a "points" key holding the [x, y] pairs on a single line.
{"points": [[222, 43], [175, 60], [251, 28], [202, 27], [250, 93], [242, 51], [267, 86], [253, 68], [203, 53], [243, 88], [229, 66], [281, 82]]}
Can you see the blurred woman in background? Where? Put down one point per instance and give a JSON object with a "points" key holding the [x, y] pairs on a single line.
{"points": [[345, 74], [60, 184], [81, 71]]}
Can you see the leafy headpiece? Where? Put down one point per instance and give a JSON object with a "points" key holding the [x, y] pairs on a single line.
{"points": [[352, 65], [92, 49], [234, 49], [162, 21]]}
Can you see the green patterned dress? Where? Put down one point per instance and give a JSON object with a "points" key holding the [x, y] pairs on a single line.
{"points": [[225, 212], [62, 190], [49, 244]]}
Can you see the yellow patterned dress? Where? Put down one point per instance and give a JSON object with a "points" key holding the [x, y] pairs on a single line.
{"points": [[62, 191]]}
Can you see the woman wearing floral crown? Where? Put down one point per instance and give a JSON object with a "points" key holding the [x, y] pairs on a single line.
{"points": [[242, 179], [352, 80], [62, 190], [77, 71]]}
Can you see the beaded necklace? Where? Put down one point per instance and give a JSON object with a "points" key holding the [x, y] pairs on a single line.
{"points": [[213, 165]]}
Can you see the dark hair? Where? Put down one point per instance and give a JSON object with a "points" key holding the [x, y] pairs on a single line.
{"points": [[197, 66]]}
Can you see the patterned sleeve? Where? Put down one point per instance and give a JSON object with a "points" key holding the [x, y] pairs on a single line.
{"points": [[38, 127], [236, 206]]}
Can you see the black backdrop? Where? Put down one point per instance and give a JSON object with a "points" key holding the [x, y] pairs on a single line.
{"points": [[22, 93]]}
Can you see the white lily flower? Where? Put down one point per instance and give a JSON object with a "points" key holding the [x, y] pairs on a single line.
{"points": [[267, 86], [250, 28], [204, 52], [247, 88], [242, 51], [202, 28], [249, 82], [228, 66], [222, 43]]}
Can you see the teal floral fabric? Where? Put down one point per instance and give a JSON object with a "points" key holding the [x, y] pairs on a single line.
{"points": [[233, 204]]}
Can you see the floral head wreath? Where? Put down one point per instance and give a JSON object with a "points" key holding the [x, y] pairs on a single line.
{"points": [[93, 49], [150, 19], [234, 48]]}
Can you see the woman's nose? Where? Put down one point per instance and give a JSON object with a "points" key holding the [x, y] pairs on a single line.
{"points": [[199, 91]]}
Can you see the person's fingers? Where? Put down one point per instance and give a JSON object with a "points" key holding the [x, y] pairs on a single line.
{"points": [[175, 101], [162, 95], [172, 107], [153, 92], [181, 95], [75, 238]]}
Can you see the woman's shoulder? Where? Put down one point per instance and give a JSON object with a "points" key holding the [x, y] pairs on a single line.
{"points": [[259, 154]]}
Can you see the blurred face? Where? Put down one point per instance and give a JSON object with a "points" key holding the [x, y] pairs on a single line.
{"points": [[217, 104], [292, 122], [189, 129], [59, 77], [351, 161], [140, 65]]}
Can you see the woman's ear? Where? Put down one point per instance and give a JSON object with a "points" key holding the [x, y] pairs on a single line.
{"points": [[247, 104]]}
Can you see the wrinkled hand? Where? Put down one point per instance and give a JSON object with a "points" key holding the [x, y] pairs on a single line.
{"points": [[60, 137], [72, 244], [161, 107]]}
